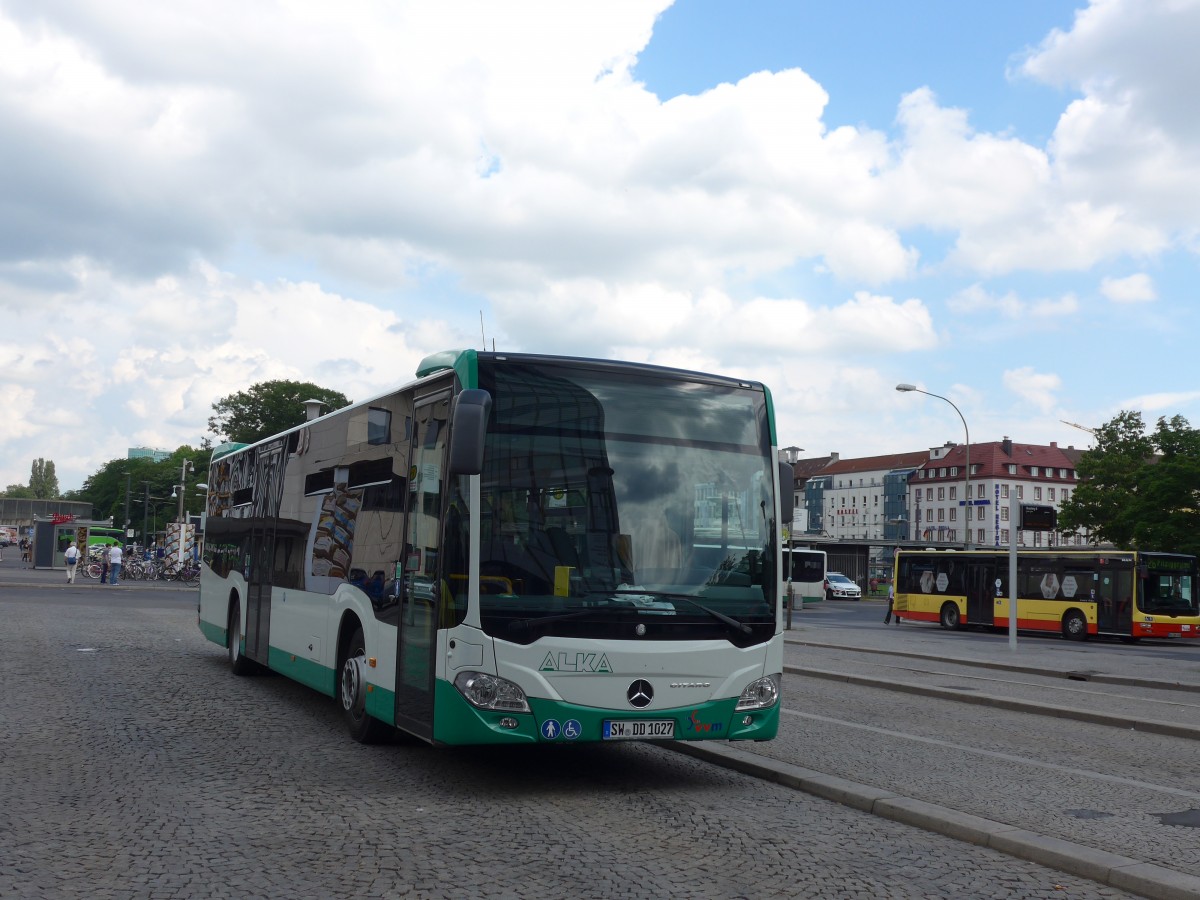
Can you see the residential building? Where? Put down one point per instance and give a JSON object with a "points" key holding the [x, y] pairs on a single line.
{"points": [[929, 495]]}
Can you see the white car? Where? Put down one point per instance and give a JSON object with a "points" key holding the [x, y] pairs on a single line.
{"points": [[839, 587]]}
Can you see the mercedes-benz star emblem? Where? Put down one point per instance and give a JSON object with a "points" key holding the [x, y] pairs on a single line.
{"points": [[640, 694]]}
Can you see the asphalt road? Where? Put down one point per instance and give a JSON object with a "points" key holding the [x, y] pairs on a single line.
{"points": [[136, 766]]}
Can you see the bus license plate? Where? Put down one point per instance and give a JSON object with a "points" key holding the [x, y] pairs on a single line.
{"points": [[638, 729]]}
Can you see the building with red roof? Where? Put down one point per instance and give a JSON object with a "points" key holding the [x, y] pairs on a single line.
{"points": [[928, 495]]}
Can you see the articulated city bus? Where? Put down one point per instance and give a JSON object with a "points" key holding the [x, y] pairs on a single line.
{"points": [[1077, 593], [514, 549]]}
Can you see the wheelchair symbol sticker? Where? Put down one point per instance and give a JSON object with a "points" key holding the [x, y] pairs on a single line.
{"points": [[571, 729]]}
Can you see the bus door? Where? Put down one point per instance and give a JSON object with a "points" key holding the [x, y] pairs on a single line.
{"points": [[258, 593], [423, 588], [1099, 587], [1120, 575], [980, 585]]}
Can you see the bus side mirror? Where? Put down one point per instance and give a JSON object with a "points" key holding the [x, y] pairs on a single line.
{"points": [[471, 410], [787, 492]]}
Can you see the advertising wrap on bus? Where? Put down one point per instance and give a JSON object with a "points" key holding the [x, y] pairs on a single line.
{"points": [[515, 548]]}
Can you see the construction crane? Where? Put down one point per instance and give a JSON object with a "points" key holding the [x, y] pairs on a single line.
{"points": [[1091, 431]]}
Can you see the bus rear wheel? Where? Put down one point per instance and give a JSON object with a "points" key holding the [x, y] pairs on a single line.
{"points": [[352, 692], [1074, 626], [949, 617]]}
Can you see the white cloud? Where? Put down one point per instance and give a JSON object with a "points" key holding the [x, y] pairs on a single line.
{"points": [[1036, 389], [218, 193], [1137, 288], [1132, 141], [976, 299]]}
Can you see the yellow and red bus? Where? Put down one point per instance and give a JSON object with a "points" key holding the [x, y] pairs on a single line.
{"points": [[1076, 593]]}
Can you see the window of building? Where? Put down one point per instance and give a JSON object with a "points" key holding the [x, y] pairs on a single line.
{"points": [[1004, 514], [954, 471], [1049, 493], [953, 492], [1037, 539], [980, 513], [979, 536], [921, 473], [1004, 492], [1011, 468], [952, 535], [941, 515], [1004, 536], [1037, 493], [953, 513], [1033, 470], [1062, 473], [1020, 492], [941, 493], [928, 493], [942, 472], [1066, 495]]}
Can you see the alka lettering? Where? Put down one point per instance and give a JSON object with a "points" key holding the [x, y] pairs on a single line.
{"points": [[694, 724], [576, 662]]}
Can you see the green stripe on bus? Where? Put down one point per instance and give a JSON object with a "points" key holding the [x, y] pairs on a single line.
{"points": [[305, 671], [215, 633]]}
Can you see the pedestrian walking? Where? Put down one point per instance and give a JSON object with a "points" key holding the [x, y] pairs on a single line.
{"points": [[72, 559], [114, 563], [24, 553], [887, 619], [103, 565]]}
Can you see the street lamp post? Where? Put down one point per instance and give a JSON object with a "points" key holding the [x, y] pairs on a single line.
{"points": [[906, 388], [187, 464]]}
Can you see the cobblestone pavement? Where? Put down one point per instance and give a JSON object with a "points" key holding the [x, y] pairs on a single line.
{"points": [[136, 766]]}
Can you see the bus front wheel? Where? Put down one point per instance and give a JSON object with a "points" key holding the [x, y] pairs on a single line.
{"points": [[1074, 626], [238, 663], [949, 617], [352, 692]]}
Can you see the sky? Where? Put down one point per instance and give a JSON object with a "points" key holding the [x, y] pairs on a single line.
{"points": [[996, 202]]}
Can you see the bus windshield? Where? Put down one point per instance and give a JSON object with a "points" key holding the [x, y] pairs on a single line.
{"points": [[610, 500], [1168, 586]]}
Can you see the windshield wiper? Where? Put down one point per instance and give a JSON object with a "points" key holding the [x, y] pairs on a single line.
{"points": [[521, 625], [719, 616]]}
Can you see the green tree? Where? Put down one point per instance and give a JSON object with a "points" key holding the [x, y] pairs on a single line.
{"points": [[1139, 490], [43, 482], [144, 488], [267, 408]]}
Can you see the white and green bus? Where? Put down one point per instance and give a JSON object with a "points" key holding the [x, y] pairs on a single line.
{"points": [[514, 549]]}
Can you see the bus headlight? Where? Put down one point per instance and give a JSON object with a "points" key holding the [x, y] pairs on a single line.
{"points": [[490, 692], [760, 694]]}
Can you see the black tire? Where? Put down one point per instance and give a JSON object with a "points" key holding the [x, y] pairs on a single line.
{"points": [[949, 617], [238, 663], [1074, 626], [352, 693]]}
